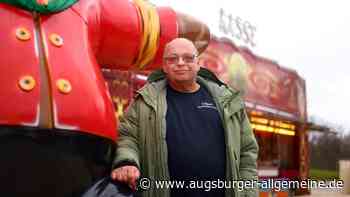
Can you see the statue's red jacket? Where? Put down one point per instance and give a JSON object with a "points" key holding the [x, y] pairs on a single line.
{"points": [[50, 65]]}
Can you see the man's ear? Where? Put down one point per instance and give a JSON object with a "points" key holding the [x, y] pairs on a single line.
{"points": [[198, 66], [165, 69]]}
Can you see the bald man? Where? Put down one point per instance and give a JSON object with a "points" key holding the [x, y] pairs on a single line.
{"points": [[187, 127]]}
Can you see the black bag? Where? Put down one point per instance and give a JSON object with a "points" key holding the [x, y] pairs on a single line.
{"points": [[109, 188]]}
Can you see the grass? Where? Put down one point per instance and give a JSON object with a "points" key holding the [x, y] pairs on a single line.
{"points": [[317, 174]]}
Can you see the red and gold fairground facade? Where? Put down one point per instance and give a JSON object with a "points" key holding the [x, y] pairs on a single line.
{"points": [[275, 99]]}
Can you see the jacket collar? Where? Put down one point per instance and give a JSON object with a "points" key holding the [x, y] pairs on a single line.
{"points": [[224, 94]]}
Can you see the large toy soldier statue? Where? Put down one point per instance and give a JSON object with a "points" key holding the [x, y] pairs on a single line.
{"points": [[57, 124]]}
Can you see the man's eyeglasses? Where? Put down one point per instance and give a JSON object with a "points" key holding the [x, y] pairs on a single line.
{"points": [[174, 59]]}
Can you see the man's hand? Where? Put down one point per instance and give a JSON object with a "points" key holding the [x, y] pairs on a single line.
{"points": [[126, 174]]}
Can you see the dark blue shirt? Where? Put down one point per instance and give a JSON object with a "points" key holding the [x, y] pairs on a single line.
{"points": [[195, 140]]}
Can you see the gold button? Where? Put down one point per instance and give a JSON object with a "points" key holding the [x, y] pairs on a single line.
{"points": [[56, 40], [64, 86], [23, 34], [27, 83]]}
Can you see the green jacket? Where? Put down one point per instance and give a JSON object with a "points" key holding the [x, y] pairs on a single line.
{"points": [[142, 134]]}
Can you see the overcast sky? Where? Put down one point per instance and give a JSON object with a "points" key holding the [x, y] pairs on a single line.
{"points": [[311, 37]]}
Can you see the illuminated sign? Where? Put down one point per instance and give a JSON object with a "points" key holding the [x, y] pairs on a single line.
{"points": [[272, 126]]}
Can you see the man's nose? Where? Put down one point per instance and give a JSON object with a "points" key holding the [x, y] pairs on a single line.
{"points": [[181, 61]]}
